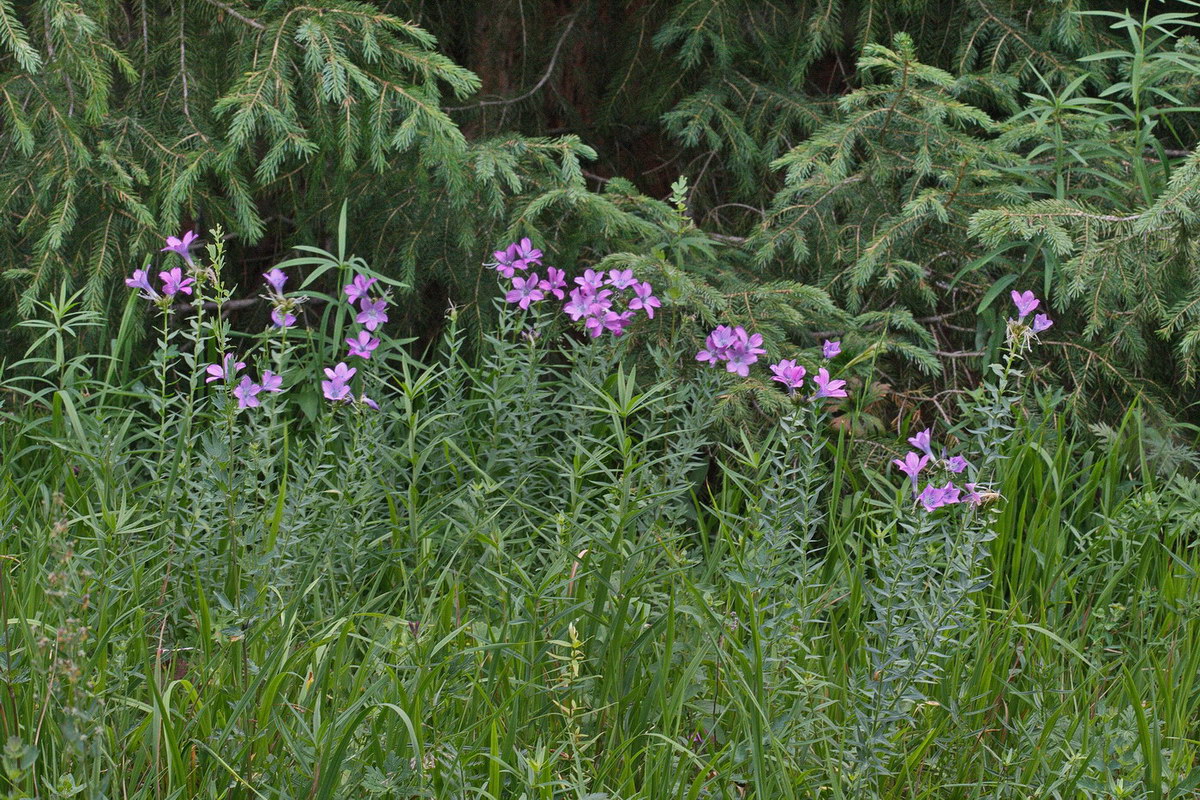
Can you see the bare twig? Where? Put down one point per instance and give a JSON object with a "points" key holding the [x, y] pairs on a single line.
{"points": [[253, 23], [536, 86]]}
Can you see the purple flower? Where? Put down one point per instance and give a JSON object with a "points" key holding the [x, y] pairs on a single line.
{"points": [[577, 306], [956, 464], [644, 299], [362, 345], [372, 314], [931, 498], [591, 281], [181, 246], [583, 304], [789, 373], [340, 373], [276, 278], [831, 349], [336, 387], [616, 323], [524, 291], [507, 261], [744, 352], [272, 382], [950, 493], [922, 441], [972, 497], [600, 320], [827, 387], [174, 282], [621, 279], [527, 254], [556, 281], [282, 317], [225, 370], [1041, 322], [912, 466], [716, 346], [141, 280], [357, 289], [246, 393], [368, 402], [1025, 302], [934, 497]]}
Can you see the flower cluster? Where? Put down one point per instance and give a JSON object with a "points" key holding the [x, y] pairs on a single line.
{"points": [[934, 496], [1021, 333], [733, 346], [738, 349], [372, 313], [602, 301], [791, 374], [173, 282], [246, 392]]}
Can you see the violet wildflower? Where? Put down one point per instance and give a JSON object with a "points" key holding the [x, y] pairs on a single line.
{"points": [[621, 279], [368, 402], [246, 393], [362, 345], [555, 282], [716, 346], [527, 254], [357, 289], [507, 262], [956, 464], [181, 246], [336, 388], [950, 493], [174, 282], [831, 349], [372, 314], [1025, 302], [141, 280], [616, 323], [912, 466], [932, 498], [577, 306], [789, 373], [827, 387], [744, 352], [225, 370], [272, 382], [276, 278], [282, 317], [644, 299], [923, 442], [972, 497], [591, 281], [524, 291], [340, 372], [1041, 322], [598, 321]]}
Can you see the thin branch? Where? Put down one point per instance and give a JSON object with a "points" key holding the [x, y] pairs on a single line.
{"points": [[536, 86], [253, 23]]}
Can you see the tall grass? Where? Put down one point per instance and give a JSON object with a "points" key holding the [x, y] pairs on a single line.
{"points": [[537, 575]]}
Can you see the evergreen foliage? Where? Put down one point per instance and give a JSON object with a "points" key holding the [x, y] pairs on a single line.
{"points": [[880, 169]]}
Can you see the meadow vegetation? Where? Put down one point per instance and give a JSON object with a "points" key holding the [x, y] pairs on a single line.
{"points": [[240, 569], [696, 399]]}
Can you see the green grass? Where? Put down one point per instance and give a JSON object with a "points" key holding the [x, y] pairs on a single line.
{"points": [[539, 576]]}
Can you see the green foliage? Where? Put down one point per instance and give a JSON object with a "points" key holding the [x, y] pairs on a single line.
{"points": [[534, 572]]}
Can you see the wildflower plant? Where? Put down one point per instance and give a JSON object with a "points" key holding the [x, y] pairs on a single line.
{"points": [[931, 561]]}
